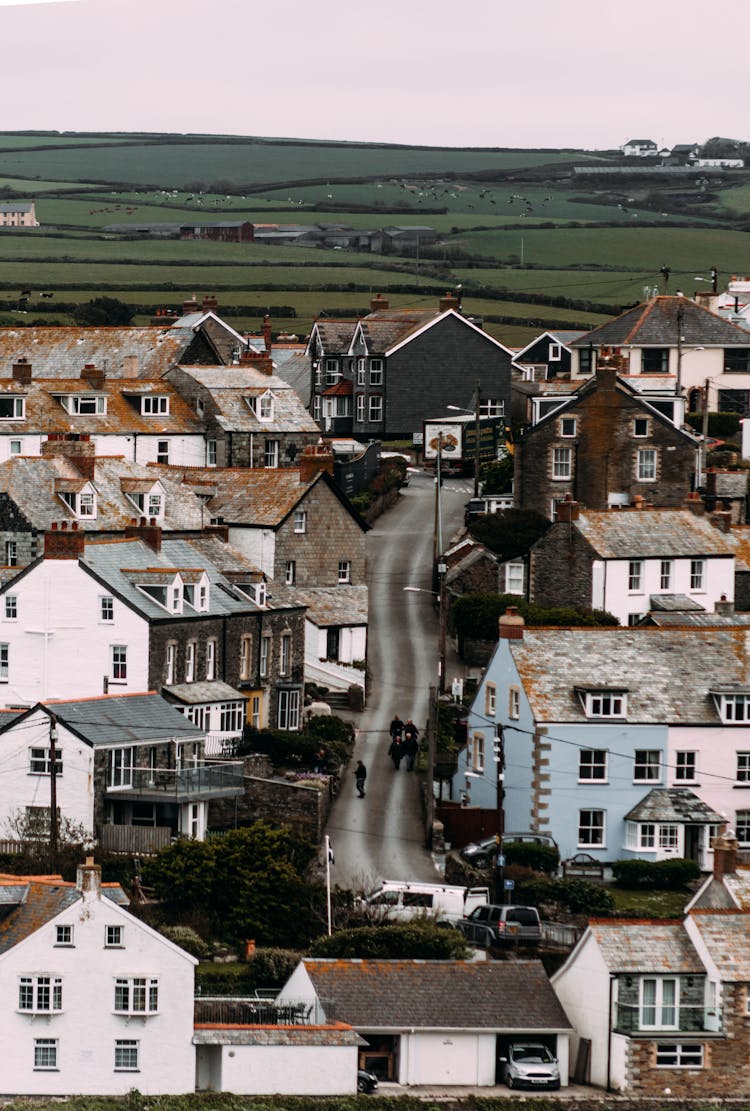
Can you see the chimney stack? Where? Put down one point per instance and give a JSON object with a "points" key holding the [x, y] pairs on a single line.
{"points": [[267, 333], [379, 302], [22, 371], [94, 375], [568, 510], [313, 460], [89, 879], [695, 504], [725, 853], [78, 448], [210, 303], [147, 531], [724, 607], [449, 301], [190, 306], [130, 366], [61, 542], [260, 360], [722, 520], [511, 624]]}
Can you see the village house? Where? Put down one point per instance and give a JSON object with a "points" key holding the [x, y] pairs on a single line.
{"points": [[436, 1022], [617, 742], [394, 368], [678, 343], [129, 772], [604, 446], [18, 214], [547, 356], [662, 1006], [98, 1003], [631, 561], [142, 613]]}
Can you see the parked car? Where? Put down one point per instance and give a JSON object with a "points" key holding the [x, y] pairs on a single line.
{"points": [[499, 925], [530, 1065], [366, 1081], [400, 901], [481, 853]]}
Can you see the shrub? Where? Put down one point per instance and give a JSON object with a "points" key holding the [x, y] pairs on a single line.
{"points": [[268, 968], [418, 940], [721, 425], [576, 896], [648, 875], [187, 939], [540, 858]]}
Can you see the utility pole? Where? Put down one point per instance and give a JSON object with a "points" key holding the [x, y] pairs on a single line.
{"points": [[476, 445], [437, 538], [443, 617], [680, 320], [499, 746], [702, 451], [53, 828]]}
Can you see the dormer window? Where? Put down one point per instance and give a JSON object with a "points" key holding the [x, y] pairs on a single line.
{"points": [[733, 706], [12, 408], [149, 505], [196, 594], [154, 405], [81, 503], [603, 703], [163, 587], [265, 407], [84, 405]]}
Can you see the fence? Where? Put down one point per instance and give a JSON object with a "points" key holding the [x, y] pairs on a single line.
{"points": [[253, 1011]]}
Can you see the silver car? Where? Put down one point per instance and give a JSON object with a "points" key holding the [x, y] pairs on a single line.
{"points": [[530, 1065]]}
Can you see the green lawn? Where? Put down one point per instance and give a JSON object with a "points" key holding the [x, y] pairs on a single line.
{"points": [[649, 904]]}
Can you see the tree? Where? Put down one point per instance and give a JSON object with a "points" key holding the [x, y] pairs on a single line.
{"points": [[509, 533], [497, 476], [102, 311], [477, 615]]}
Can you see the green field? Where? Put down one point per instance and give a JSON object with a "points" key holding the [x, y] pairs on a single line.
{"points": [[515, 221]]}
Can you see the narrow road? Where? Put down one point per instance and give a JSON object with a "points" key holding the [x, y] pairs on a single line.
{"points": [[383, 835]]}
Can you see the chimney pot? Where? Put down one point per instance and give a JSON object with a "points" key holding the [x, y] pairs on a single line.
{"points": [[511, 624], [725, 847], [89, 879], [568, 510], [313, 460], [22, 370], [379, 302]]}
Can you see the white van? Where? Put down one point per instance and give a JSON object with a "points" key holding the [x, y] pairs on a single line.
{"points": [[401, 901]]}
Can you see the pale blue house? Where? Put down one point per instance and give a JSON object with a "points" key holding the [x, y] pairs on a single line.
{"points": [[609, 739]]}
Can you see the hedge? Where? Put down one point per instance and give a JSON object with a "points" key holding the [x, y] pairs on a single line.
{"points": [[577, 896], [649, 875]]}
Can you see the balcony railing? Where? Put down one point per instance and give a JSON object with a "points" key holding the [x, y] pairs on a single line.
{"points": [[202, 781], [631, 1019], [222, 744], [251, 1011]]}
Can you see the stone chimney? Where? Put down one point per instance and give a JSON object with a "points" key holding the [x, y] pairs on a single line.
{"points": [[313, 460], [568, 510], [260, 360], [89, 879], [695, 504], [210, 303], [22, 371], [130, 366], [146, 530], [78, 448], [724, 607], [267, 333], [449, 301], [190, 306], [63, 542], [511, 624], [722, 520], [379, 303], [725, 853], [94, 375]]}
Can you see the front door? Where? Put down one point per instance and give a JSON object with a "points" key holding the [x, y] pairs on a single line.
{"points": [[693, 843], [332, 643]]}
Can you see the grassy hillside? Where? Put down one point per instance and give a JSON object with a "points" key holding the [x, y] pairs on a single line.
{"points": [[509, 222]]}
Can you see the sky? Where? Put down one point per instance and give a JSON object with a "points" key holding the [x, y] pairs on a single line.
{"points": [[581, 73]]}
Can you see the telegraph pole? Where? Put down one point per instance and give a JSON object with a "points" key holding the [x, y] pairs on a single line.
{"points": [[476, 445], [53, 828], [499, 746]]}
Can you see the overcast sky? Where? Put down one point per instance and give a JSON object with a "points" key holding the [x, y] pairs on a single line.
{"points": [[584, 73]]}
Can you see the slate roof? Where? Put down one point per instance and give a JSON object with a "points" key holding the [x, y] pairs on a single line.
{"points": [[654, 323], [230, 386], [44, 898], [386, 327], [206, 691], [247, 495], [335, 335], [336, 1033], [645, 947], [668, 672], [291, 364], [727, 938], [332, 605], [673, 804], [701, 620], [652, 533], [115, 561], [446, 995], [34, 482], [16, 206], [123, 719], [674, 603], [62, 352], [44, 412]]}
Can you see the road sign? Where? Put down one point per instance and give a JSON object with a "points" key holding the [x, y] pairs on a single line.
{"points": [[500, 860], [509, 884]]}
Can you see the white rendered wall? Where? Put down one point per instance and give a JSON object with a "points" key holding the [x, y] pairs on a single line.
{"points": [[718, 579], [582, 986], [19, 788], [258, 544], [59, 647], [88, 1027], [289, 1070]]}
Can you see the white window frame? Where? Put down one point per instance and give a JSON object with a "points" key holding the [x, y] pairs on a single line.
{"points": [[514, 703], [154, 405], [46, 1054], [11, 607], [300, 521], [742, 826], [11, 553], [136, 995], [697, 576], [515, 577], [742, 773], [606, 704], [119, 661], [246, 656], [361, 372], [288, 709], [210, 659], [375, 409], [190, 654], [635, 576], [345, 572], [492, 407], [554, 352], [290, 572], [376, 372], [475, 752], [18, 405], [568, 427], [359, 404], [127, 1055], [40, 760], [665, 574], [646, 464], [265, 655], [4, 662], [638, 423], [64, 936], [211, 452], [734, 708], [285, 654], [106, 608], [114, 937], [171, 659], [666, 1009], [162, 452], [490, 700], [680, 1055], [264, 411], [40, 994], [120, 764], [562, 464]]}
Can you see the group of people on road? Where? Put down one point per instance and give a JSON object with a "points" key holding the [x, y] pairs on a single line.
{"points": [[404, 743]]}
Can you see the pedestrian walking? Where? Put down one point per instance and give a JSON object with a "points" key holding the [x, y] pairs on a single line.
{"points": [[397, 727], [411, 744], [360, 775], [396, 752], [321, 757]]}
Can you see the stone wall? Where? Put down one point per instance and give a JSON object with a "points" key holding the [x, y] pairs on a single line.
{"points": [[561, 568], [331, 534], [280, 802]]}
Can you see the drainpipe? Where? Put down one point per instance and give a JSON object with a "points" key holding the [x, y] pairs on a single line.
{"points": [[609, 1034]]}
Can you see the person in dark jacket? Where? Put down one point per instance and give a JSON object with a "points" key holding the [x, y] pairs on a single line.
{"points": [[360, 775], [396, 752], [397, 727], [411, 744]]}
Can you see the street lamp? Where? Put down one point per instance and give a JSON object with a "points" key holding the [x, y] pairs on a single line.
{"points": [[442, 567]]}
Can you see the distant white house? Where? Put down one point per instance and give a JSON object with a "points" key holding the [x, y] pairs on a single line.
{"points": [[640, 148], [18, 214]]}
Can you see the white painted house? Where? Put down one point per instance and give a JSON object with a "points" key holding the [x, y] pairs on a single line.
{"points": [[95, 1002]]}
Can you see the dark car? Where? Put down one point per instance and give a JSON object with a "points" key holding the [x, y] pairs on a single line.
{"points": [[481, 853], [366, 1081], [492, 924]]}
